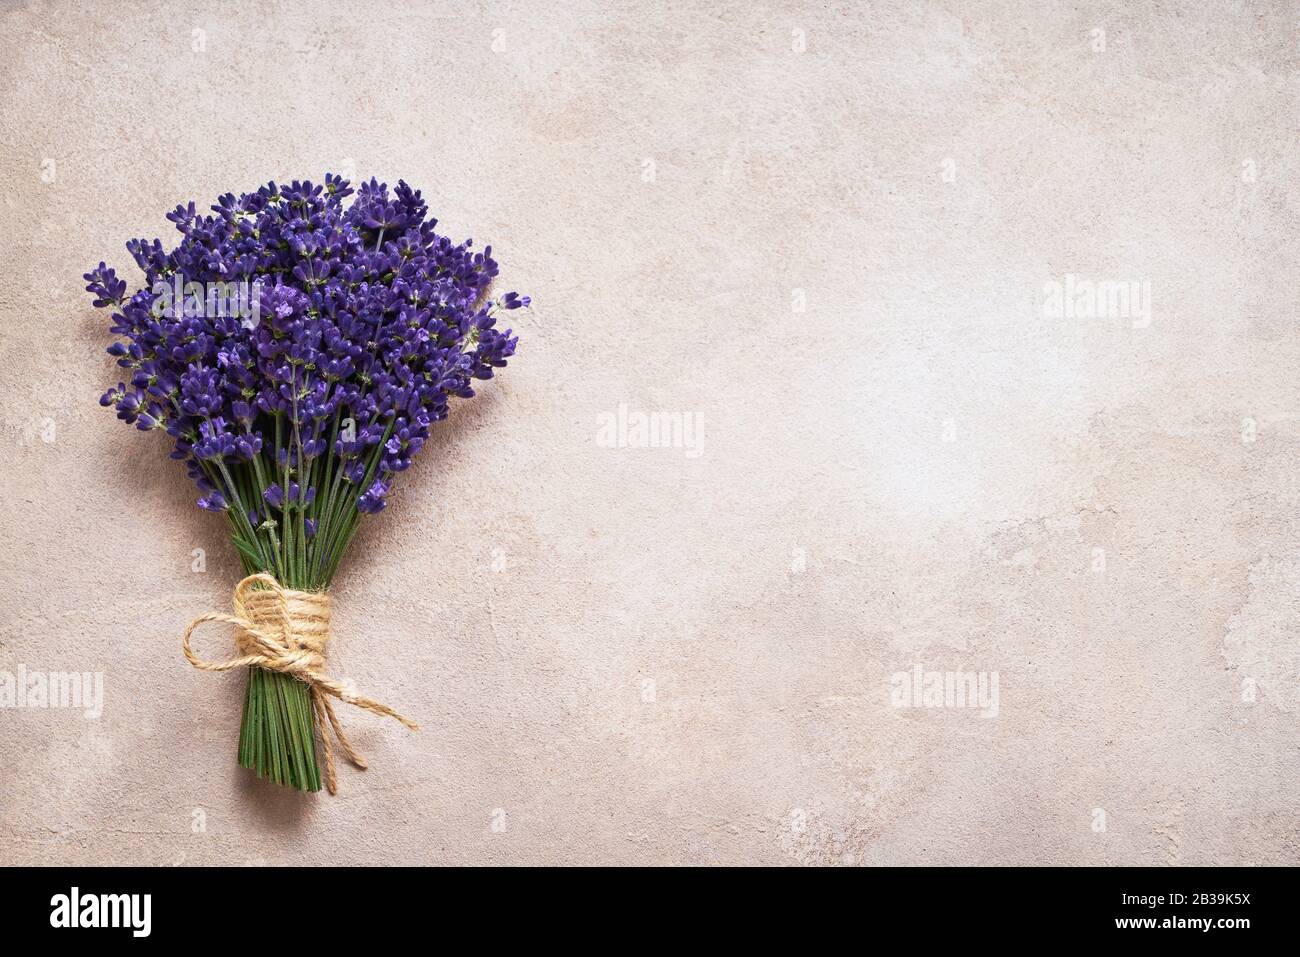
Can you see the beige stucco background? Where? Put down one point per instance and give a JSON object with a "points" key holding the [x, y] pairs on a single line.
{"points": [[825, 233]]}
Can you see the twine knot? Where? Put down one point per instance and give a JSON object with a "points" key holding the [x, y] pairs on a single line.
{"points": [[284, 630]]}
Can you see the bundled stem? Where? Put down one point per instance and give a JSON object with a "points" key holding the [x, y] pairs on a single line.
{"points": [[277, 738]]}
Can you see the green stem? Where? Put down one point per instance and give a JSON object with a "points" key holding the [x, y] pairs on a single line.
{"points": [[277, 737]]}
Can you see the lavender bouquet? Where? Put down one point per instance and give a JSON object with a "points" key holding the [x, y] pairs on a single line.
{"points": [[297, 350]]}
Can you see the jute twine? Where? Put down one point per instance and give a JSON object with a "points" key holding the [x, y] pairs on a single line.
{"points": [[284, 630]]}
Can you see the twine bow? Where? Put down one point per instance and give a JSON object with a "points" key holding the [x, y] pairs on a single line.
{"points": [[284, 630]]}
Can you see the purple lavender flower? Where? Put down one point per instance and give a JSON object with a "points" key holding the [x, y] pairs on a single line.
{"points": [[374, 498], [274, 496], [367, 323], [214, 501]]}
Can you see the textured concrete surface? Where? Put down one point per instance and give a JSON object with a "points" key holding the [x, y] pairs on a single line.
{"points": [[832, 243]]}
